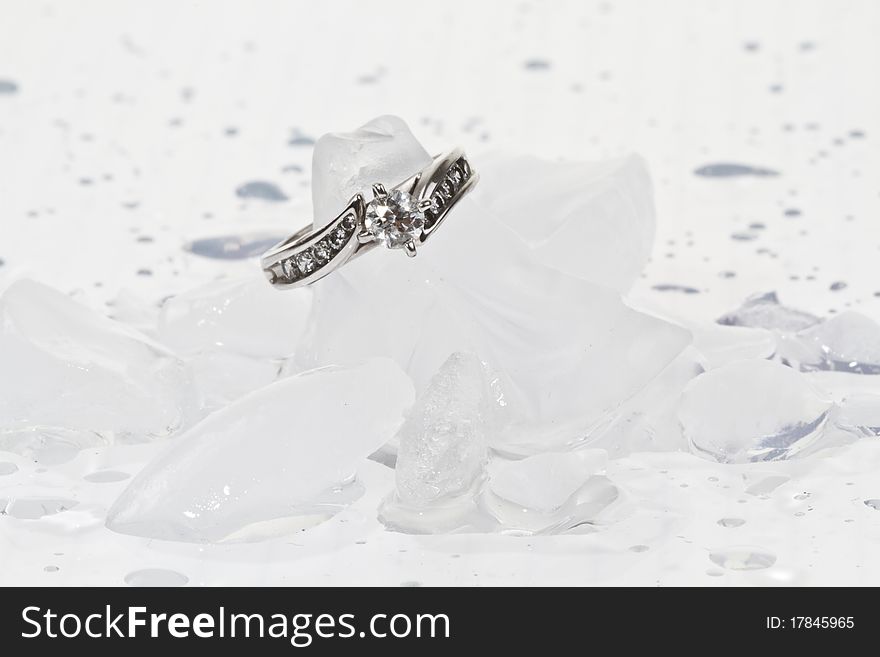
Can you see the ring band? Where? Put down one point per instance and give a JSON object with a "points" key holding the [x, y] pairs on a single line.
{"points": [[403, 217]]}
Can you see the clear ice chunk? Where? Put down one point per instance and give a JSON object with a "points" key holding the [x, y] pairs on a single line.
{"points": [[545, 482], [860, 411], [67, 368], [720, 345], [648, 422], [848, 342], [443, 444], [279, 458], [345, 163], [566, 352], [592, 220], [244, 316], [753, 410], [765, 311]]}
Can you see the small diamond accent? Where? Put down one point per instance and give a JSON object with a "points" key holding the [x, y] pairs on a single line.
{"points": [[289, 269], [348, 223], [465, 168], [455, 176], [306, 261], [322, 252], [337, 238]]}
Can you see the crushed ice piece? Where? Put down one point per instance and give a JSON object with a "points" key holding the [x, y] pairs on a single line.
{"points": [[278, 459], [7, 468], [150, 577], [861, 411], [345, 163], [545, 482], [765, 311], [68, 367], [443, 443], [873, 504], [243, 315], [848, 342], [754, 410], [720, 345], [34, 508], [597, 219], [581, 512], [648, 421], [742, 558], [233, 247]]}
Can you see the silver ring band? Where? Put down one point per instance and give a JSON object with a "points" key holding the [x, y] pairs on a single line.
{"points": [[402, 218]]}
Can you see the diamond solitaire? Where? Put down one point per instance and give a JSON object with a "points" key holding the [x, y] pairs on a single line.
{"points": [[395, 220]]}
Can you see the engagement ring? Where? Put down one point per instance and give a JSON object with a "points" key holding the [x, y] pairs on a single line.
{"points": [[402, 217]]}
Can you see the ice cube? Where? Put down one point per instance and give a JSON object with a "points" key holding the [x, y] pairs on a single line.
{"points": [[593, 220], [67, 367], [545, 482], [765, 311], [283, 456], [442, 445], [752, 410]]}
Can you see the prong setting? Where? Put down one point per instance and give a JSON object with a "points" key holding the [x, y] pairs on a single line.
{"points": [[379, 191]]}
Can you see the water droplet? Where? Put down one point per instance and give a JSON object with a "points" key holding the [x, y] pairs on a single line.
{"points": [[232, 247], [874, 504], [731, 170], [155, 577], [742, 558], [51, 569], [639, 548], [731, 522], [8, 87], [668, 287], [262, 190], [536, 65]]}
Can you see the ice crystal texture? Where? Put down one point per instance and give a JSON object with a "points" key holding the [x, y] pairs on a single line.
{"points": [[443, 445]]}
